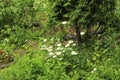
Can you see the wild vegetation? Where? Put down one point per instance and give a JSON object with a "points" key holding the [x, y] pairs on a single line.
{"points": [[59, 40]]}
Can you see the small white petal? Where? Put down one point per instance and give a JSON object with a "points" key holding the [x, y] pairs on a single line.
{"points": [[51, 47], [74, 44], [59, 44], [50, 50], [74, 53], [67, 45], [51, 54], [44, 40], [43, 46], [64, 22], [6, 40], [94, 69], [58, 53], [54, 56], [59, 48], [70, 41], [82, 33], [26, 40]]}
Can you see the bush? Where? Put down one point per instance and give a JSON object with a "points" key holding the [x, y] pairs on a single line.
{"points": [[20, 13], [82, 13]]}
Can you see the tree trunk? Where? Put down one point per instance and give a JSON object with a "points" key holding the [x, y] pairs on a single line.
{"points": [[78, 36]]}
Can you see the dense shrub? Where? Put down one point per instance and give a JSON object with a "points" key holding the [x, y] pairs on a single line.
{"points": [[83, 13], [17, 12]]}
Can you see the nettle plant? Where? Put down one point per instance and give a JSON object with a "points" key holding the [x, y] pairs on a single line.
{"points": [[83, 14]]}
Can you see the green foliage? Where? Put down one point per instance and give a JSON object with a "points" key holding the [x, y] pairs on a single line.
{"points": [[72, 63], [84, 13], [17, 12], [46, 57]]}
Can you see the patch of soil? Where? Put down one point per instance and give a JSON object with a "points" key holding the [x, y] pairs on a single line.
{"points": [[5, 61]]}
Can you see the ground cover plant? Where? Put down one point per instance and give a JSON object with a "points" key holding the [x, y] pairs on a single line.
{"points": [[38, 40]]}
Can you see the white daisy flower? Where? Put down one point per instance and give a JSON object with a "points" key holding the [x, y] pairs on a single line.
{"points": [[54, 56], [51, 54], [6, 40], [64, 22], [93, 70], [70, 41], [74, 53], [74, 44], [59, 44], [43, 46], [59, 48], [58, 53], [67, 45], [82, 33], [44, 40], [49, 49]]}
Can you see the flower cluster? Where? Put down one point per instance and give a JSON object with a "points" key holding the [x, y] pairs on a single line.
{"points": [[59, 49], [69, 43]]}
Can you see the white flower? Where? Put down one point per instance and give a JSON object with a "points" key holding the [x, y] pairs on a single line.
{"points": [[59, 44], [51, 54], [59, 48], [54, 56], [26, 41], [58, 53], [6, 40], [70, 41], [64, 22], [43, 46], [49, 49], [82, 33], [74, 53], [44, 40], [93, 70], [67, 45], [74, 44]]}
